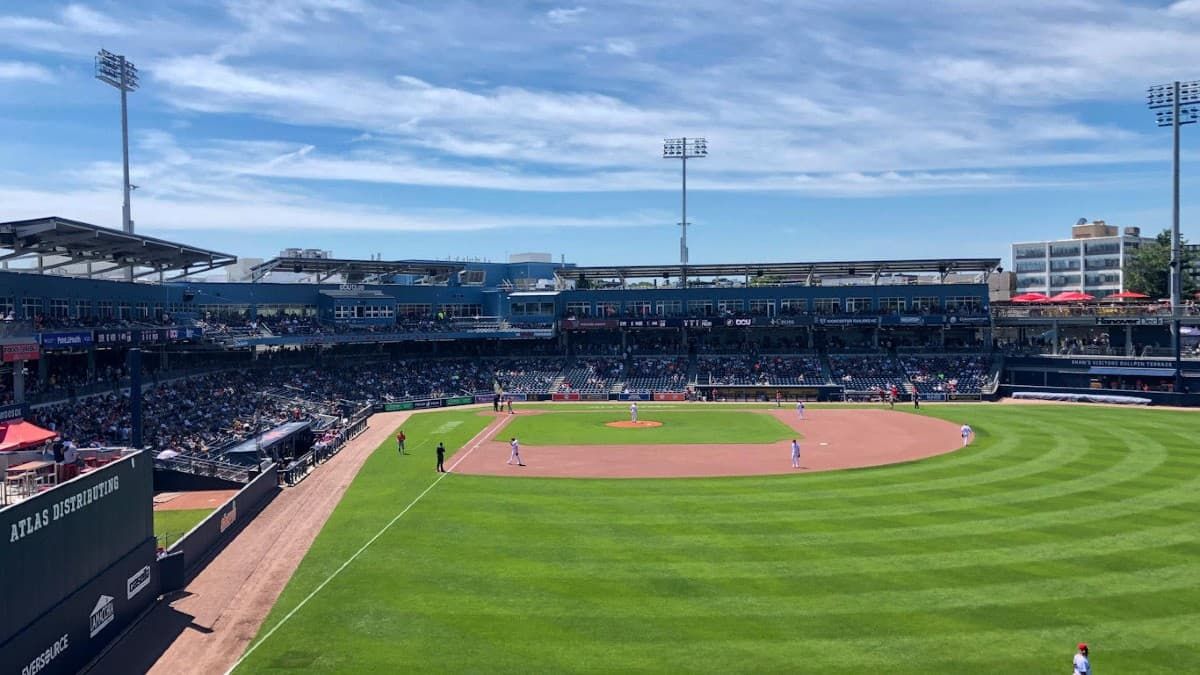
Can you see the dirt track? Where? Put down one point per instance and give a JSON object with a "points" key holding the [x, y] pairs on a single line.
{"points": [[830, 439], [196, 499], [209, 626]]}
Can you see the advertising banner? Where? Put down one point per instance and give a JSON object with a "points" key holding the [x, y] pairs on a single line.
{"points": [[967, 320], [964, 397], [588, 324], [571, 396], [786, 321], [1130, 320], [594, 397], [460, 400], [669, 396], [634, 397], [16, 411], [66, 340], [393, 407], [847, 320], [484, 398], [427, 403], [74, 631], [56, 542], [111, 337], [893, 320], [20, 351], [643, 323]]}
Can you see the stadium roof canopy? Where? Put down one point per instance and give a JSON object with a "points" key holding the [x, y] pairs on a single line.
{"points": [[54, 243], [354, 271], [790, 272]]}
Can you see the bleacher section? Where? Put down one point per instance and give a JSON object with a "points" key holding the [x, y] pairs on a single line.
{"points": [[657, 375], [867, 373], [592, 376], [760, 370], [965, 374]]}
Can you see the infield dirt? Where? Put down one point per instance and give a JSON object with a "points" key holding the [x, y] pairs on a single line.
{"points": [[830, 439]]}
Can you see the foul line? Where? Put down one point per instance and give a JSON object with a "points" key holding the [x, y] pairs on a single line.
{"points": [[473, 443]]}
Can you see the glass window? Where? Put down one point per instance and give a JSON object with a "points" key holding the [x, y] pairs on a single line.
{"points": [[793, 306], [59, 308], [668, 308], [31, 307], [579, 309], [827, 305], [762, 307], [700, 307], [730, 306], [894, 305], [858, 304]]}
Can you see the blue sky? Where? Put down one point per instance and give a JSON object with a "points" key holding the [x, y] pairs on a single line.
{"points": [[836, 130]]}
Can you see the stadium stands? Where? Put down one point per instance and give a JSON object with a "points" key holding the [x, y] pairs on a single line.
{"points": [[656, 375]]}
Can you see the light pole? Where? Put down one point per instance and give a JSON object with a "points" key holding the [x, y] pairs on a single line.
{"points": [[1175, 104], [683, 149], [114, 70]]}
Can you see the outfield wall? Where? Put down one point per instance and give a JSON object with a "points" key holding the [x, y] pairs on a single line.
{"points": [[77, 563], [190, 551]]}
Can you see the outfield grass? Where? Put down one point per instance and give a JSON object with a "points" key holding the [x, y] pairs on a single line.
{"points": [[172, 524], [1059, 524], [695, 425]]}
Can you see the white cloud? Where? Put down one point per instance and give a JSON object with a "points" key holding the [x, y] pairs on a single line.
{"points": [[86, 20], [620, 47], [18, 70], [562, 15]]}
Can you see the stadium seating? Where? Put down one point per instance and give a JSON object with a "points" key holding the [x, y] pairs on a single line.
{"points": [[592, 375], [947, 374], [657, 375], [867, 373], [760, 370]]}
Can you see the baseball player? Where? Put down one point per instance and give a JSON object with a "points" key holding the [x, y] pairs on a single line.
{"points": [[441, 457], [633, 412], [510, 410], [516, 453], [1081, 663], [800, 409], [778, 399], [400, 438], [795, 454], [966, 434]]}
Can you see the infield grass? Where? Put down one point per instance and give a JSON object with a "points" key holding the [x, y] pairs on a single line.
{"points": [[697, 425], [1059, 525]]}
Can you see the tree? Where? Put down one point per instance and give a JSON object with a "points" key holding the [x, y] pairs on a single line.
{"points": [[1147, 270]]}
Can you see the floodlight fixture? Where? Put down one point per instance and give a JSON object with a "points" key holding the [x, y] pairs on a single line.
{"points": [[116, 71], [683, 149], [1175, 105]]}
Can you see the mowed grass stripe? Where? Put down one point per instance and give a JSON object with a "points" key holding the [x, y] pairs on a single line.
{"points": [[780, 574]]}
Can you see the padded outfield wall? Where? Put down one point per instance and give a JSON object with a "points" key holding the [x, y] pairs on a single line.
{"points": [[78, 564]]}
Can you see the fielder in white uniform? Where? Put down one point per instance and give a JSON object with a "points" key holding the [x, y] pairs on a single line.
{"points": [[1081, 663], [633, 411], [795, 454], [966, 434], [800, 409], [516, 453]]}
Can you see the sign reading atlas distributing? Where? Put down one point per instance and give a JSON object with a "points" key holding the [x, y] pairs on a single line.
{"points": [[23, 527]]}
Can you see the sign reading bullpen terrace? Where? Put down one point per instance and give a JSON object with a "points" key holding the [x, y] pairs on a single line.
{"points": [[54, 543]]}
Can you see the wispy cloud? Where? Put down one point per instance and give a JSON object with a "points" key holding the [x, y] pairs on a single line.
{"points": [[563, 15], [18, 70]]}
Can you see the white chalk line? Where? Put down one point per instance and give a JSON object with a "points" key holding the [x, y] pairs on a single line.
{"points": [[473, 443]]}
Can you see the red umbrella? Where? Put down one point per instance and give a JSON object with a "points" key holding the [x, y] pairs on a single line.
{"points": [[1030, 297], [1127, 295], [1072, 296]]}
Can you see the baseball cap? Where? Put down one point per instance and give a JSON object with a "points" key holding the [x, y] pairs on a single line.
{"points": [[1082, 646]]}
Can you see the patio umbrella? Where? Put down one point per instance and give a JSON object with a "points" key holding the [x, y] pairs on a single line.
{"points": [[166, 454], [1030, 297], [1072, 296], [1127, 295]]}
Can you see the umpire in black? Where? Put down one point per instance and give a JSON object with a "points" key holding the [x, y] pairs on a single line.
{"points": [[441, 455]]}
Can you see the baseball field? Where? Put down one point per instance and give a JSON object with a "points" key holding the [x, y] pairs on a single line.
{"points": [[1058, 524]]}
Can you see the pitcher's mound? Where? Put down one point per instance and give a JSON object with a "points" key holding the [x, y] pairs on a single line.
{"points": [[640, 424]]}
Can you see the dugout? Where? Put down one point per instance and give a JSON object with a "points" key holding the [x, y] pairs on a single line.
{"points": [[78, 562], [280, 444], [768, 394]]}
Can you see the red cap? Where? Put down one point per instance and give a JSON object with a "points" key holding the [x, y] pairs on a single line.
{"points": [[1082, 646]]}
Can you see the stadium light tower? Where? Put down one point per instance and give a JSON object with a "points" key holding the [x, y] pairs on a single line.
{"points": [[114, 70], [1175, 104], [684, 149]]}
